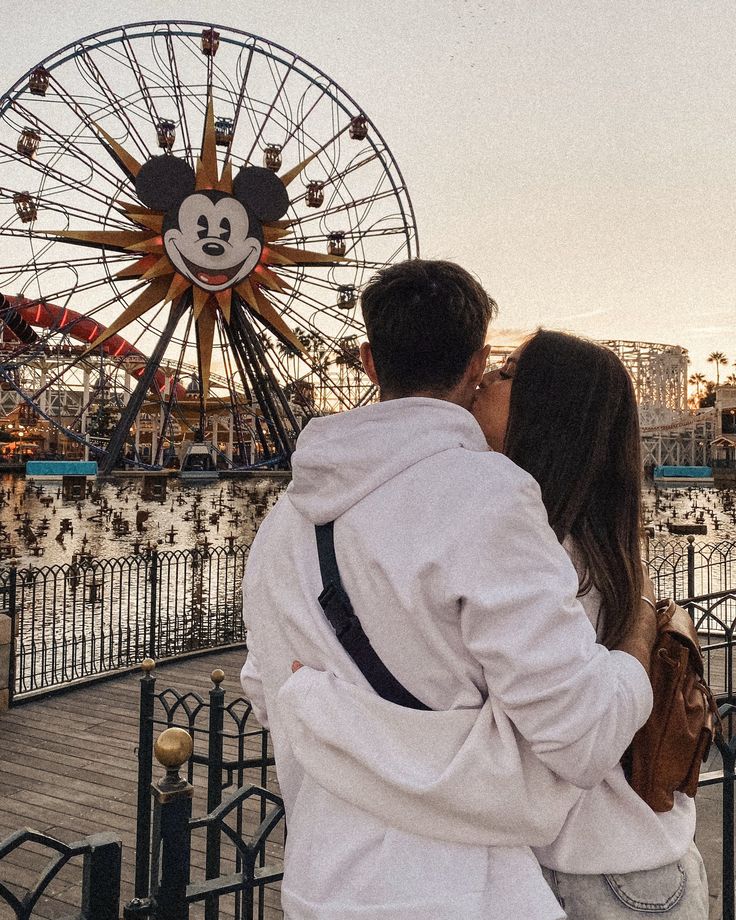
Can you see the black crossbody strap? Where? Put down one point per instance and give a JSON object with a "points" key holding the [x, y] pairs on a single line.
{"points": [[341, 616]]}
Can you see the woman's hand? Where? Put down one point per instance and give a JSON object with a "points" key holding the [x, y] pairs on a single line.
{"points": [[295, 665]]}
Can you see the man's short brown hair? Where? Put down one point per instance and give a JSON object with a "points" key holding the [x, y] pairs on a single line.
{"points": [[424, 319]]}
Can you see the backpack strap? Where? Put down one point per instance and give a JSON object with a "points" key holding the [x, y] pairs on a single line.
{"points": [[348, 629]]}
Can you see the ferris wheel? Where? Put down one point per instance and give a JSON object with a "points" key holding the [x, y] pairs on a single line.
{"points": [[187, 214]]}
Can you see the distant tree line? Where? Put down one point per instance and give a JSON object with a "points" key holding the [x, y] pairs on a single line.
{"points": [[705, 390]]}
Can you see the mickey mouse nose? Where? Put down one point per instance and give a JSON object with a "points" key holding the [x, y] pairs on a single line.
{"points": [[213, 249]]}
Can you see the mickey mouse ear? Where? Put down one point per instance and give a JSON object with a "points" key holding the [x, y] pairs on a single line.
{"points": [[164, 181], [262, 191]]}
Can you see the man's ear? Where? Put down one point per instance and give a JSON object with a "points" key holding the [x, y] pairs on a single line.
{"points": [[478, 364], [366, 356]]}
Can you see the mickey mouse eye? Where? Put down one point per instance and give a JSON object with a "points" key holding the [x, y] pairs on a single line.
{"points": [[225, 228], [204, 224]]}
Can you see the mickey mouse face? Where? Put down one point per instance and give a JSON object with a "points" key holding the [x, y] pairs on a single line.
{"points": [[213, 238], [210, 240]]}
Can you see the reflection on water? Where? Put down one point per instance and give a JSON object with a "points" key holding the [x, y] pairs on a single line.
{"points": [[38, 526], [715, 508]]}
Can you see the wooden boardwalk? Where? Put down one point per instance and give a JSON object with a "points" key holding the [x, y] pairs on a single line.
{"points": [[68, 768]]}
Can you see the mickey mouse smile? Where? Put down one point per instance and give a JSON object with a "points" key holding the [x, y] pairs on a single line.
{"points": [[213, 277]]}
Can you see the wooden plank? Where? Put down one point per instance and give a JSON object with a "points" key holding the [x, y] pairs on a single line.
{"points": [[68, 768]]}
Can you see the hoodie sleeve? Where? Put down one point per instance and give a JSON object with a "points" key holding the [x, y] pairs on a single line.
{"points": [[577, 704], [462, 775], [250, 673]]}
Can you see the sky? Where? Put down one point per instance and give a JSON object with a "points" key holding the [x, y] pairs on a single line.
{"points": [[578, 157]]}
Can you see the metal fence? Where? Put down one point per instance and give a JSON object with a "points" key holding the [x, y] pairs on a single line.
{"points": [[690, 568], [96, 616], [93, 616]]}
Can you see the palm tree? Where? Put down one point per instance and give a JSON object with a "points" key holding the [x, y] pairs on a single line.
{"points": [[720, 360], [731, 380], [697, 380]]}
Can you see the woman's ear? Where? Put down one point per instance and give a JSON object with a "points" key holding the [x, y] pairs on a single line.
{"points": [[262, 192], [164, 181]]}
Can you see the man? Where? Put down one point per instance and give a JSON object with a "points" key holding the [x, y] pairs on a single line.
{"points": [[466, 596]]}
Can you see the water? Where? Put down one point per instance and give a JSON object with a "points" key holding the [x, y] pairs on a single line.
{"points": [[38, 527], [716, 508]]}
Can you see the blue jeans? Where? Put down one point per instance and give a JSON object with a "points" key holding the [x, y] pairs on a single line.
{"points": [[678, 891]]}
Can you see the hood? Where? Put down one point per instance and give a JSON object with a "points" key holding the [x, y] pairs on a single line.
{"points": [[339, 459]]}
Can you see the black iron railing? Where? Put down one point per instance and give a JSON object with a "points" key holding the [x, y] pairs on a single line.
{"points": [[100, 855], [230, 750], [93, 617], [690, 568]]}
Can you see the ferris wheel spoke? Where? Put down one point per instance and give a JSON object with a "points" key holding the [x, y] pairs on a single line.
{"points": [[271, 107], [45, 203], [337, 176], [313, 304], [69, 182], [240, 100], [176, 90], [114, 103], [135, 68], [66, 145], [40, 266]]}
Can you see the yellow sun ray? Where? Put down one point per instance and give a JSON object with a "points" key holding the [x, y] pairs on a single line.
{"points": [[179, 284], [205, 338], [226, 179], [260, 305], [152, 244], [163, 266], [135, 207], [271, 234], [149, 221], [268, 279], [129, 163], [200, 299], [225, 302], [207, 162], [139, 268], [150, 297], [104, 239]]}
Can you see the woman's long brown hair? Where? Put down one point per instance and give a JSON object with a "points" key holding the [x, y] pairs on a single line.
{"points": [[574, 426]]}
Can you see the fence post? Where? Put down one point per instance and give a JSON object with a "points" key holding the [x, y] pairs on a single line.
{"points": [[172, 798], [7, 647], [153, 588], [690, 566], [145, 764], [729, 759], [101, 874], [214, 785]]}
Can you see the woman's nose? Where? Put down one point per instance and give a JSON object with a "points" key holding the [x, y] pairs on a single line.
{"points": [[213, 249]]}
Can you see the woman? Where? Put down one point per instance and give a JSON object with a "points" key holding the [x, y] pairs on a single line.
{"points": [[564, 409]]}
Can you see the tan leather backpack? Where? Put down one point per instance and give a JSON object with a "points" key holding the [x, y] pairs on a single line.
{"points": [[667, 751]]}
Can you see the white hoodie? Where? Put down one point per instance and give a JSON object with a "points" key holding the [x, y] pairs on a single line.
{"points": [[467, 596]]}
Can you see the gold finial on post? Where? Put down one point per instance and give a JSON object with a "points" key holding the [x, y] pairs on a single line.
{"points": [[147, 665], [173, 748], [217, 676]]}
